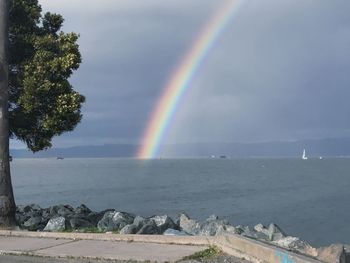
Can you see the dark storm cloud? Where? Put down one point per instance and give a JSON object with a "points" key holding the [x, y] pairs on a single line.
{"points": [[280, 70], [129, 49]]}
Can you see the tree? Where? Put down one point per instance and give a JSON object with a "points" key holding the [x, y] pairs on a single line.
{"points": [[37, 102], [43, 103], [7, 202]]}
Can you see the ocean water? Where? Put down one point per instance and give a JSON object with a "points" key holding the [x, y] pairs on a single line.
{"points": [[308, 199]]}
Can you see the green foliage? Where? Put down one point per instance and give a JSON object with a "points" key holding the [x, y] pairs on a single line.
{"points": [[42, 102], [208, 253]]}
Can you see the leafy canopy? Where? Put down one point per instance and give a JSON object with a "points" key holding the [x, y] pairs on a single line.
{"points": [[42, 102]]}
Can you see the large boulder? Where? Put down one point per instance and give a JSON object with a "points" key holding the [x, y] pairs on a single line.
{"points": [[215, 218], [149, 228], [25, 213], [133, 228], [272, 233], [21, 218], [334, 253], [139, 221], [251, 233], [188, 225], [61, 210], [78, 223], [210, 227], [228, 230], [82, 210], [296, 244], [129, 230], [275, 232], [28, 208], [163, 223], [213, 226], [45, 213], [95, 217], [34, 223], [114, 221], [56, 224], [261, 228], [212, 218]]}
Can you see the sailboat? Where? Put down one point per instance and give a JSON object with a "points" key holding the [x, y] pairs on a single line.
{"points": [[304, 157]]}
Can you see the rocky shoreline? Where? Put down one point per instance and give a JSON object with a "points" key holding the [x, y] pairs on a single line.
{"points": [[65, 218]]}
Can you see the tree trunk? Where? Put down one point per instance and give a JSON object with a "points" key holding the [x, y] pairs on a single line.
{"points": [[7, 202]]}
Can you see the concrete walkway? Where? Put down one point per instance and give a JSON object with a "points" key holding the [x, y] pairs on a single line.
{"points": [[30, 247], [70, 250]]}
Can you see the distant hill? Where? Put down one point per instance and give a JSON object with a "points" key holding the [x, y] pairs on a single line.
{"points": [[314, 148], [93, 151]]}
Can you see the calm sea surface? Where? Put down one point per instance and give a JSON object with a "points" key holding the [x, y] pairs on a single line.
{"points": [[309, 199]]}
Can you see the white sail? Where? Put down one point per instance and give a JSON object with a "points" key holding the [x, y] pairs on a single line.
{"points": [[304, 157]]}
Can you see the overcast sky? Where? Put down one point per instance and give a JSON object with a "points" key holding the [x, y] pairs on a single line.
{"points": [[280, 71]]}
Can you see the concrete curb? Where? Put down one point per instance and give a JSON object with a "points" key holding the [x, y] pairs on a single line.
{"points": [[256, 251], [160, 239], [235, 245]]}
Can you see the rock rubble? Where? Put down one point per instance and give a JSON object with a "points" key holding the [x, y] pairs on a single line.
{"points": [[66, 218]]}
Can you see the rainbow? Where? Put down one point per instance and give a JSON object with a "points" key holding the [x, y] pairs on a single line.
{"points": [[181, 79]]}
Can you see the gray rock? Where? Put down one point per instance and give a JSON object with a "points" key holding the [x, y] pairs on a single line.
{"points": [[265, 234], [133, 228], [106, 223], [240, 228], [188, 225], [21, 218], [247, 232], [215, 218], [139, 221], [45, 213], [56, 224], [163, 222], [82, 209], [275, 233], [261, 228], [122, 219], [20, 209], [212, 218], [129, 229], [210, 228], [77, 223], [213, 226], [296, 244], [94, 217], [228, 230], [150, 228], [33, 223], [114, 220], [334, 253], [174, 232], [61, 210], [28, 208], [35, 207]]}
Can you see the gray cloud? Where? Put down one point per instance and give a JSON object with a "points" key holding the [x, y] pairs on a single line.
{"points": [[279, 71]]}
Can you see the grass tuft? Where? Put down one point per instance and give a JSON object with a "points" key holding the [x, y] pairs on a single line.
{"points": [[82, 230], [211, 252]]}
